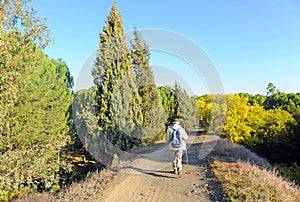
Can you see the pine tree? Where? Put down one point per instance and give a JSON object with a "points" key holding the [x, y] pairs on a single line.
{"points": [[153, 114], [19, 29], [184, 108], [114, 70], [38, 126], [167, 96]]}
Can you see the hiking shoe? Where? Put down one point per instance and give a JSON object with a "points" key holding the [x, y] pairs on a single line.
{"points": [[179, 173]]}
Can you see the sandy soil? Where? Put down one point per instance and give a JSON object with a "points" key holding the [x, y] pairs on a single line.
{"points": [[149, 178]]}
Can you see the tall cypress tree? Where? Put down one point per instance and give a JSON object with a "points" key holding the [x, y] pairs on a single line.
{"points": [[167, 96], [115, 81], [184, 107], [153, 113]]}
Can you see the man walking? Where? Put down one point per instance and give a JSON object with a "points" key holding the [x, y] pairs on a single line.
{"points": [[175, 138]]}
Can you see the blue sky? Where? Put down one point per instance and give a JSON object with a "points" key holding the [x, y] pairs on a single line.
{"points": [[251, 43]]}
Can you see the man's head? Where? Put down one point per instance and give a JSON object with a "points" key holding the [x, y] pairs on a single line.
{"points": [[176, 121]]}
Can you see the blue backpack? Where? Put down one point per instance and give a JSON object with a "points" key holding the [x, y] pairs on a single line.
{"points": [[176, 140]]}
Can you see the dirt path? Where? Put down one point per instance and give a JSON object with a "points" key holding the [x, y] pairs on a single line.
{"points": [[149, 178]]}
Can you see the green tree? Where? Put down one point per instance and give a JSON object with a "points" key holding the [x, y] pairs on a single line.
{"points": [[184, 107], [287, 101], [38, 128], [116, 85], [167, 96], [212, 112], [85, 119], [19, 29], [153, 114], [276, 100], [177, 104], [259, 99], [34, 99], [86, 123], [253, 99], [271, 89], [126, 112]]}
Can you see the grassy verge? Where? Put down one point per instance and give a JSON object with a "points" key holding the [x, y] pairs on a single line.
{"points": [[245, 182], [247, 177], [87, 190]]}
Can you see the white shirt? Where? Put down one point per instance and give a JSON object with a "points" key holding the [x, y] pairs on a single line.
{"points": [[182, 133]]}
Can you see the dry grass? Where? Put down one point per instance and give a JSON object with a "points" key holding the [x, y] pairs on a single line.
{"points": [[245, 182], [232, 152], [247, 177], [88, 190]]}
